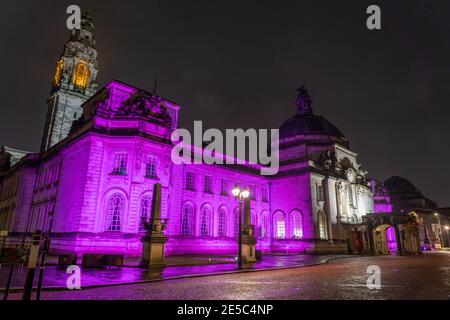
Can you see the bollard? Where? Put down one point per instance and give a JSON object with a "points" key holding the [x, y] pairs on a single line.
{"points": [[32, 262], [8, 283]]}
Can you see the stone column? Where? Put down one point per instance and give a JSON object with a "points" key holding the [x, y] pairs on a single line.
{"points": [[154, 240], [327, 207], [248, 236]]}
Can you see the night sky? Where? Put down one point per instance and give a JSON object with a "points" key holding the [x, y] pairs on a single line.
{"points": [[237, 64]]}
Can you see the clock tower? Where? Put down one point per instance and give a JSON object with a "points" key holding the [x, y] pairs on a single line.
{"points": [[74, 82]]}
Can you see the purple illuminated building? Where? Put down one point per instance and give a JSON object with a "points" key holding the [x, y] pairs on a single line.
{"points": [[103, 151]]}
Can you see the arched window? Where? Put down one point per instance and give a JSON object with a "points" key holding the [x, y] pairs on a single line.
{"points": [[81, 75], [236, 222], [187, 219], [264, 224], [322, 225], [205, 221], [115, 212], [60, 68], [297, 225], [146, 205], [279, 223], [222, 219]]}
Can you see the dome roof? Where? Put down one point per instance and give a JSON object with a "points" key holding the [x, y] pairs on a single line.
{"points": [[305, 122], [308, 124], [399, 184]]}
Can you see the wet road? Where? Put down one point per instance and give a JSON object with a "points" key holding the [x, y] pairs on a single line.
{"points": [[424, 277], [55, 277]]}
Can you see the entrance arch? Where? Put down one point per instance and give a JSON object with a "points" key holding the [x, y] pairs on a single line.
{"points": [[392, 233], [385, 240]]}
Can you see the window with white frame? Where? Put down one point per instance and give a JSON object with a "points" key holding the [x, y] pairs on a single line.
{"points": [[187, 219], [190, 181], [319, 193], [205, 221], [145, 210], [280, 225], [207, 188], [120, 163], [150, 168], [114, 214], [296, 223], [222, 223]]}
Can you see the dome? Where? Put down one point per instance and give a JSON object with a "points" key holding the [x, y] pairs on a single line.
{"points": [[308, 124], [305, 122], [399, 184]]}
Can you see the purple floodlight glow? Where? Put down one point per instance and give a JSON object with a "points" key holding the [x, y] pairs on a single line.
{"points": [[123, 148], [391, 239]]}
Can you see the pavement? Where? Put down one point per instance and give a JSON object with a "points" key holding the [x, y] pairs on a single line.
{"points": [[55, 278], [418, 277]]}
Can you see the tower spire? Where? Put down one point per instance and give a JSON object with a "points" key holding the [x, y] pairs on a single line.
{"points": [[74, 82]]}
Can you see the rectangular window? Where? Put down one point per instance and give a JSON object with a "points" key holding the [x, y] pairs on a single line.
{"points": [[207, 188], [49, 177], [120, 164], [224, 190], [36, 183], [41, 181], [150, 168], [190, 181], [264, 196], [281, 229], [350, 196], [56, 174], [319, 192]]}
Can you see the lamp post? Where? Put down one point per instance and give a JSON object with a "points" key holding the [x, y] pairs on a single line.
{"points": [[440, 228], [240, 195]]}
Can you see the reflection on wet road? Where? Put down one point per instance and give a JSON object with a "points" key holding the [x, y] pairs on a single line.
{"points": [[57, 277], [424, 277]]}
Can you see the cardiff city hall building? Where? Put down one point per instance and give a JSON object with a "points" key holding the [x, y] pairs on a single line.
{"points": [[104, 149]]}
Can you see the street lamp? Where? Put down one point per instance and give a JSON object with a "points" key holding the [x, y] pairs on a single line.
{"points": [[240, 195], [440, 228]]}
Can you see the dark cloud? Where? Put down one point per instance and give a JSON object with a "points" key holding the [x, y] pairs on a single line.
{"points": [[237, 63]]}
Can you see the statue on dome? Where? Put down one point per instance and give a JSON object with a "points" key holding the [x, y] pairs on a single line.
{"points": [[303, 101]]}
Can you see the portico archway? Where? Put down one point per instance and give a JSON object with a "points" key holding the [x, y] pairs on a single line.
{"points": [[392, 233], [385, 240]]}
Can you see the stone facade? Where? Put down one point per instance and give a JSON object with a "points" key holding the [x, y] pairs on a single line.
{"points": [[97, 183], [91, 184]]}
